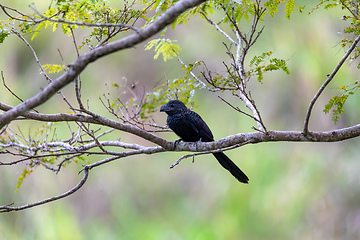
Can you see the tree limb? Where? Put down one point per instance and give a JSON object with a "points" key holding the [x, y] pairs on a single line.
{"points": [[95, 119], [271, 136]]}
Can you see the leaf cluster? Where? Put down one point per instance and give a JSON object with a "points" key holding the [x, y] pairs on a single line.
{"points": [[163, 46], [105, 21], [337, 102], [3, 35], [259, 65], [246, 9]]}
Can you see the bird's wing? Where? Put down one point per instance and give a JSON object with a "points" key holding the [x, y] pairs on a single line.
{"points": [[199, 126]]}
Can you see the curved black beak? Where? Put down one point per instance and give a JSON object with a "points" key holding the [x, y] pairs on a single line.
{"points": [[164, 108]]}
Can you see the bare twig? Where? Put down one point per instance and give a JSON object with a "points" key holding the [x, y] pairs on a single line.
{"points": [[3, 80], [239, 110], [77, 82], [142, 150], [43, 72], [34, 53], [219, 29]]}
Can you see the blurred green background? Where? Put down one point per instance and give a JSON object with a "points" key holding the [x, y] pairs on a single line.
{"points": [[296, 190]]}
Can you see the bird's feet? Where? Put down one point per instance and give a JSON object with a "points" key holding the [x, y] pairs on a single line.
{"points": [[176, 142], [196, 144]]}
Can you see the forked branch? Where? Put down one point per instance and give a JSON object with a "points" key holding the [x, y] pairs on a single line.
{"points": [[327, 81]]}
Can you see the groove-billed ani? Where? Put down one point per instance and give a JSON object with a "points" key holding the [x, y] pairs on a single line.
{"points": [[190, 127]]}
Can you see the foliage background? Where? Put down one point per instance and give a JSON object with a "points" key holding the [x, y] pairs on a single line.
{"points": [[296, 190]]}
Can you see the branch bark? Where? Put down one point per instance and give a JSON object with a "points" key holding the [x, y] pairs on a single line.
{"points": [[272, 136], [256, 137]]}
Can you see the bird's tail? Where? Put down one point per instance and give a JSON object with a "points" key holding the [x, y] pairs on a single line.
{"points": [[231, 167]]}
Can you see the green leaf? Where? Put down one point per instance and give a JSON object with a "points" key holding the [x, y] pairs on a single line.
{"points": [[337, 102], [3, 35], [163, 46]]}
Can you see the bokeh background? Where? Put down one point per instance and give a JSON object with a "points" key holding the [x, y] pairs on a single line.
{"points": [[296, 190]]}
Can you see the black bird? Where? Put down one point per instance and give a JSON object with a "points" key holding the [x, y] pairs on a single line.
{"points": [[190, 127]]}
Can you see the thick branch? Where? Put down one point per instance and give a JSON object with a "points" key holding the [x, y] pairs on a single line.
{"points": [[79, 65], [272, 136], [96, 119]]}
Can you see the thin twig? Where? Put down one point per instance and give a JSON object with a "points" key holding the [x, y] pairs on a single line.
{"points": [[40, 66], [219, 29], [77, 82], [143, 150], [350, 10], [8, 208], [239, 110], [3, 80], [34, 53]]}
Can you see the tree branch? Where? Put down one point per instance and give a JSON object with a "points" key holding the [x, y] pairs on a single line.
{"points": [[80, 64], [143, 150], [95, 119], [218, 28], [350, 10], [327, 81]]}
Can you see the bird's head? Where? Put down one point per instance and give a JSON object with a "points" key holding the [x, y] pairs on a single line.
{"points": [[173, 107]]}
